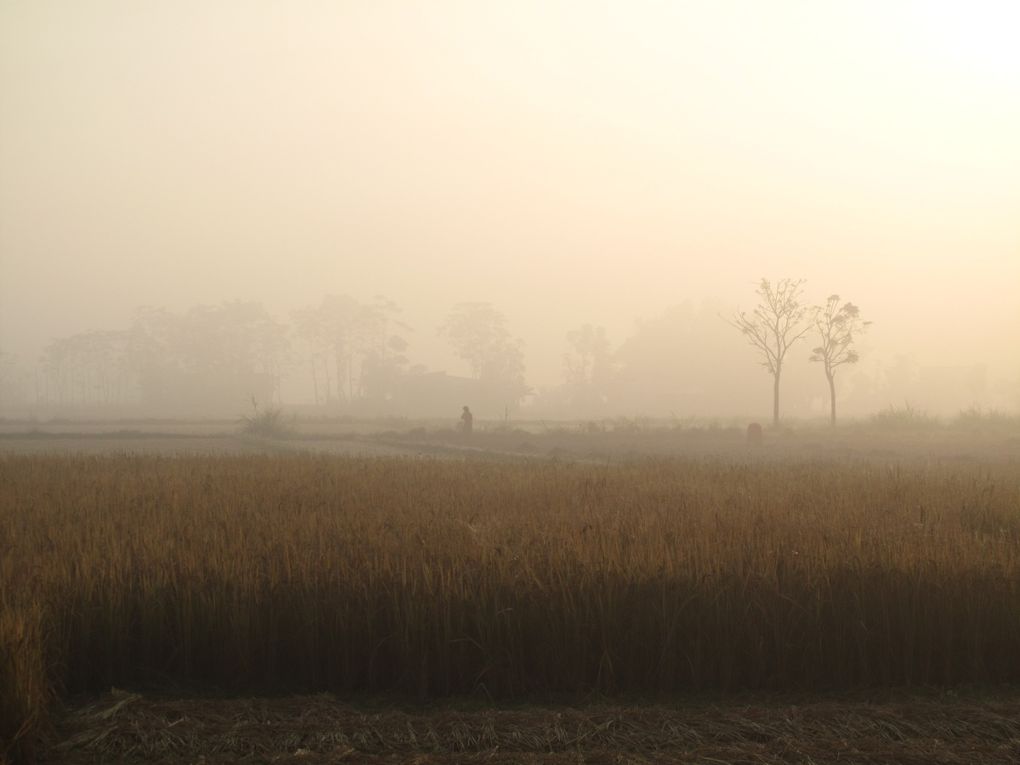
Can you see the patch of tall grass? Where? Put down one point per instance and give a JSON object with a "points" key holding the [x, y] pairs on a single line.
{"points": [[432, 578], [976, 418], [906, 417]]}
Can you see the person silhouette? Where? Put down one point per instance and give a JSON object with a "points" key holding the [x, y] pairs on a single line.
{"points": [[467, 421]]}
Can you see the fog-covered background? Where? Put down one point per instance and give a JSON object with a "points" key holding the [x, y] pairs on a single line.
{"points": [[201, 202]]}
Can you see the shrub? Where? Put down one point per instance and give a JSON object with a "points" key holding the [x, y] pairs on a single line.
{"points": [[907, 418], [271, 422]]}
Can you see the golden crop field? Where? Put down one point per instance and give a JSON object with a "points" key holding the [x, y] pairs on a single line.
{"points": [[502, 580]]}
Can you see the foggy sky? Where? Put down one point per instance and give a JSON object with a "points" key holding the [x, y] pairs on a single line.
{"points": [[568, 161]]}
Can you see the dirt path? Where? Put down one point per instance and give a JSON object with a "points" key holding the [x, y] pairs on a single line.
{"points": [[171, 444], [123, 727]]}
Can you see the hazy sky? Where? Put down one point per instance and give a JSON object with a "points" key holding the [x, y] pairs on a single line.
{"points": [[570, 161]]}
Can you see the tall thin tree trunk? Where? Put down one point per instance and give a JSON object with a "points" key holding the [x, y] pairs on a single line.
{"points": [[832, 399], [775, 399]]}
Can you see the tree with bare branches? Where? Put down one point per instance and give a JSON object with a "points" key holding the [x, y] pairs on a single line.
{"points": [[837, 326], [776, 323]]}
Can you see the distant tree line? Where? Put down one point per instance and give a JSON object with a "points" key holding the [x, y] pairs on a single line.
{"points": [[354, 350], [214, 358], [164, 360], [773, 327], [348, 356]]}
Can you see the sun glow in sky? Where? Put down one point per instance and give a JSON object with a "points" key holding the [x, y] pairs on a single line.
{"points": [[977, 40], [570, 161]]}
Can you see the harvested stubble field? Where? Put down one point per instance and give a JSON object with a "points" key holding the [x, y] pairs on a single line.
{"points": [[498, 581], [301, 730]]}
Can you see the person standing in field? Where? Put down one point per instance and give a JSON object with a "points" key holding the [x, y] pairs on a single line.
{"points": [[467, 421]]}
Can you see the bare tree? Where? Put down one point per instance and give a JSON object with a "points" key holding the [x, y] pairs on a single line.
{"points": [[838, 327], [776, 323]]}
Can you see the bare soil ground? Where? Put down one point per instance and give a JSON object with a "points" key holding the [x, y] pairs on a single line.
{"points": [[181, 444], [129, 728]]}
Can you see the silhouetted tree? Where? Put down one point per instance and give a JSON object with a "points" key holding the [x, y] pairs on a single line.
{"points": [[589, 357], [773, 326], [588, 365], [308, 328], [837, 326], [479, 335], [670, 364], [210, 358], [383, 368], [12, 382], [354, 345], [329, 328], [86, 369]]}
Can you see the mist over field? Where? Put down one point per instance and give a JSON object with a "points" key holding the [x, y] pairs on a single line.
{"points": [[512, 381], [546, 210]]}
